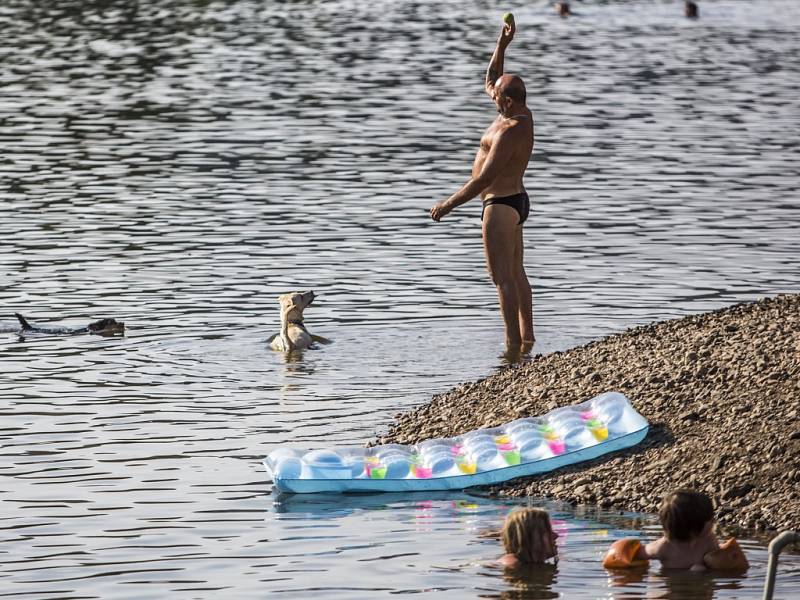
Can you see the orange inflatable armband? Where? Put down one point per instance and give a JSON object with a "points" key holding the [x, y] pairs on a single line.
{"points": [[728, 557], [622, 554]]}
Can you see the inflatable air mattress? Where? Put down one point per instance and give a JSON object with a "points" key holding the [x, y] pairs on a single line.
{"points": [[521, 448]]}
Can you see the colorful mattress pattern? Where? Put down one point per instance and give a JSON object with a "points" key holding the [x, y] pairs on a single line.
{"points": [[521, 448]]}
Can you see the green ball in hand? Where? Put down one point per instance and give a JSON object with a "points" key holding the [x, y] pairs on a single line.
{"points": [[508, 18]]}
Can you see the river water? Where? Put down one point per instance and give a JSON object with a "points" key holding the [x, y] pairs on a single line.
{"points": [[178, 164]]}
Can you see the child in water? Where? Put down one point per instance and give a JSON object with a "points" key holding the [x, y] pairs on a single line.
{"points": [[687, 518], [528, 538]]}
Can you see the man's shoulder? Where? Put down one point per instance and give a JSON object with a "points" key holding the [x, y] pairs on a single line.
{"points": [[514, 129]]}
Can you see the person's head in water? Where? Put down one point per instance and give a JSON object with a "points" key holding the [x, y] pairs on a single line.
{"points": [[690, 9], [529, 536], [685, 515], [562, 8], [509, 95]]}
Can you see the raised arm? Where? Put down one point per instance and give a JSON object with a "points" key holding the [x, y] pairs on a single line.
{"points": [[495, 69]]}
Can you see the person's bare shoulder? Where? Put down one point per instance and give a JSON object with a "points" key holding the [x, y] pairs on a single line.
{"points": [[656, 549], [512, 132], [516, 130], [509, 561], [711, 543], [516, 124]]}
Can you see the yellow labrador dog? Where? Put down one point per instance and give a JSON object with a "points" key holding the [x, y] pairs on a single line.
{"points": [[294, 335]]}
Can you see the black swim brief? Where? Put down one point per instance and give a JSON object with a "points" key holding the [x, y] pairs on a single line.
{"points": [[519, 202]]}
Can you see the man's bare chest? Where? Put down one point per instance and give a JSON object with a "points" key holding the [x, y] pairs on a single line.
{"points": [[489, 136]]}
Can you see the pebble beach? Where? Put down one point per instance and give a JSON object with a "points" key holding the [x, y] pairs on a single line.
{"points": [[721, 391]]}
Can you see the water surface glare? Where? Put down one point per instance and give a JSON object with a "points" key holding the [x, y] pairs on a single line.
{"points": [[177, 164]]}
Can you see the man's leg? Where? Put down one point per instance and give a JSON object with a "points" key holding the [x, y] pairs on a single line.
{"points": [[524, 294], [499, 242]]}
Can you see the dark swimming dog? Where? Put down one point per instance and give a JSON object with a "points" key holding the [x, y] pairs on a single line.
{"points": [[102, 327]]}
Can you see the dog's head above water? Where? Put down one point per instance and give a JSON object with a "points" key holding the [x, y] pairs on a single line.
{"points": [[107, 327], [293, 304]]}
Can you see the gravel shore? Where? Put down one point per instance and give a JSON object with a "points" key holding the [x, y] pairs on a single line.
{"points": [[721, 391]]}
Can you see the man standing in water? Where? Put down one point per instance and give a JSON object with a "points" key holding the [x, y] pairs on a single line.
{"points": [[497, 177]]}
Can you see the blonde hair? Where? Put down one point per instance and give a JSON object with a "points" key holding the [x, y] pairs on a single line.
{"points": [[523, 532]]}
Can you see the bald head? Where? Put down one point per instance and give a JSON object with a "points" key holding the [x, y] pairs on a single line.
{"points": [[511, 86]]}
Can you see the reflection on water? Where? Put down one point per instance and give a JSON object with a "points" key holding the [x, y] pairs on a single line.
{"points": [[177, 164], [530, 582]]}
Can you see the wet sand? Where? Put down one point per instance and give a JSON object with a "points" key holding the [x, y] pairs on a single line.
{"points": [[721, 391]]}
